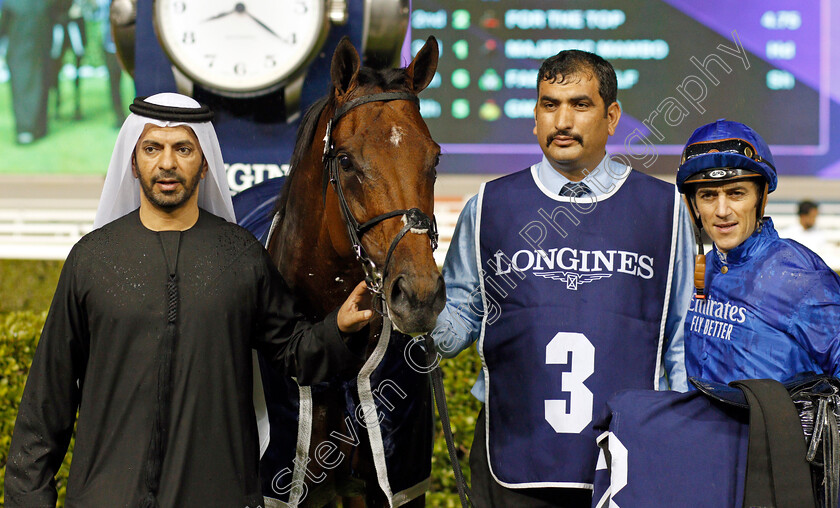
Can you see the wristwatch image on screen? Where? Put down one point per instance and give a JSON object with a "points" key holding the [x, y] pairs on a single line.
{"points": [[247, 48], [256, 51]]}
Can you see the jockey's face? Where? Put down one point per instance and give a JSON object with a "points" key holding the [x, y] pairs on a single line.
{"points": [[728, 212]]}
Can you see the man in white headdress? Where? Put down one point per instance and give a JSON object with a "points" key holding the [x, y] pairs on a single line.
{"points": [[150, 333]]}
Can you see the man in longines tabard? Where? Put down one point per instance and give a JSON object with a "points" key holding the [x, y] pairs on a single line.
{"points": [[573, 276]]}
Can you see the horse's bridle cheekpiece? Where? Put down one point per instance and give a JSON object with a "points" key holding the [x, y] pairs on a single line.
{"points": [[414, 220]]}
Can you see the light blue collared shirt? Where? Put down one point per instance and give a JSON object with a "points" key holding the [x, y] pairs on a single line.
{"points": [[459, 325]]}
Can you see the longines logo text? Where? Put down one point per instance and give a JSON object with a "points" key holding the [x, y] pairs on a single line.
{"points": [[243, 176], [575, 267]]}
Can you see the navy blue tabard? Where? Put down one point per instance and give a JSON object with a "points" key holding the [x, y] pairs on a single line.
{"points": [[575, 293], [671, 449]]}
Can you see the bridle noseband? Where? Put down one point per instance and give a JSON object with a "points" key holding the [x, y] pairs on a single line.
{"points": [[414, 219]]}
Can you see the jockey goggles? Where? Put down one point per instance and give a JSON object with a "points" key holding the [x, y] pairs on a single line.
{"points": [[731, 145]]}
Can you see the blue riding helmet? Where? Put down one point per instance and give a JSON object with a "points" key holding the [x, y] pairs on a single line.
{"points": [[725, 151]]}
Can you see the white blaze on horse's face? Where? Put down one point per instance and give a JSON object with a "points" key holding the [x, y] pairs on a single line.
{"points": [[396, 135]]}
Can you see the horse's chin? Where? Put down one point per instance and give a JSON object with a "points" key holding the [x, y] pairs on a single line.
{"points": [[413, 326]]}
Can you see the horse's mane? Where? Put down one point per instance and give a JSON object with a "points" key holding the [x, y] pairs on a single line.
{"points": [[369, 80]]}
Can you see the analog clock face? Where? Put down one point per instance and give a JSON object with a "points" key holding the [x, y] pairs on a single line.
{"points": [[240, 46]]}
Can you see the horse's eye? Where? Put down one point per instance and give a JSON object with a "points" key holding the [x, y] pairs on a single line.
{"points": [[345, 162], [437, 160]]}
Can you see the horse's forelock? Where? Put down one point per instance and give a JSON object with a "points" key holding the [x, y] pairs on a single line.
{"points": [[385, 79]]}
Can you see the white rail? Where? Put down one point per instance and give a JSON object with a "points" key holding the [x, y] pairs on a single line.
{"points": [[42, 233], [49, 233]]}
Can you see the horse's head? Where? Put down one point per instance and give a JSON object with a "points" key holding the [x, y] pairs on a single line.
{"points": [[383, 160]]}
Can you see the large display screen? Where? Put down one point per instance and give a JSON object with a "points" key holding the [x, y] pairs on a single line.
{"points": [[773, 64], [679, 64]]}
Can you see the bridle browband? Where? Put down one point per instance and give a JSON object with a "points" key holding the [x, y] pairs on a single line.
{"points": [[414, 219]]}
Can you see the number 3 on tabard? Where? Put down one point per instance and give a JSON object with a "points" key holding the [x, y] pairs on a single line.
{"points": [[575, 349]]}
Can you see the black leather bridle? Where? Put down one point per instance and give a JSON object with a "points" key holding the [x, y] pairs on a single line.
{"points": [[414, 219]]}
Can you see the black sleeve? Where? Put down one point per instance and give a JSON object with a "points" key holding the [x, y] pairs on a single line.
{"points": [[312, 352], [50, 399]]}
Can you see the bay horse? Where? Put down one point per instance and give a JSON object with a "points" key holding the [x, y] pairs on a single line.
{"points": [[357, 204]]}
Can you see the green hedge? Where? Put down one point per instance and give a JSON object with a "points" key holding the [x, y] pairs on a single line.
{"points": [[26, 289], [27, 285], [459, 374], [19, 334]]}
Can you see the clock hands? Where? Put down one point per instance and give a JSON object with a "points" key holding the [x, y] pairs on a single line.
{"points": [[269, 30], [241, 9]]}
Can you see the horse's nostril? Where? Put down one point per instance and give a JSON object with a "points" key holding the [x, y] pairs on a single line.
{"points": [[399, 291], [406, 298]]}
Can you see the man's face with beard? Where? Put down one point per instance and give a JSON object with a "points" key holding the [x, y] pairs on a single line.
{"points": [[169, 164]]}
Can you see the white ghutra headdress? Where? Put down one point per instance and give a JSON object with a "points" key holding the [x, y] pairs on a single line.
{"points": [[121, 192]]}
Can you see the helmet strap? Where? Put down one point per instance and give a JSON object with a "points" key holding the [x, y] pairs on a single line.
{"points": [[700, 260], [689, 202], [762, 203], [700, 275]]}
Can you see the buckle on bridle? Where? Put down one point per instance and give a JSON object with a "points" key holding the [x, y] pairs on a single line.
{"points": [[327, 140], [418, 221]]}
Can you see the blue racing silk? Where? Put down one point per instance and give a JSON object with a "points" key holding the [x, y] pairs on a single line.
{"points": [[772, 310]]}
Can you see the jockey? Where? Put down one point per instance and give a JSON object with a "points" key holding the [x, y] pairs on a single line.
{"points": [[771, 307]]}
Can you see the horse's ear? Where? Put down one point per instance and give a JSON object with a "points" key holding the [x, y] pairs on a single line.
{"points": [[345, 66], [422, 69]]}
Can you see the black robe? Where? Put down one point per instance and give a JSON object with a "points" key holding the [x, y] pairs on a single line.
{"points": [[100, 352]]}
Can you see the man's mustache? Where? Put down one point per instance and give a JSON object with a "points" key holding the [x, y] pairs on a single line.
{"points": [[564, 133], [168, 175]]}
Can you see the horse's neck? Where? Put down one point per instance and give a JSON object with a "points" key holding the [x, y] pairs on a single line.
{"points": [[305, 255]]}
